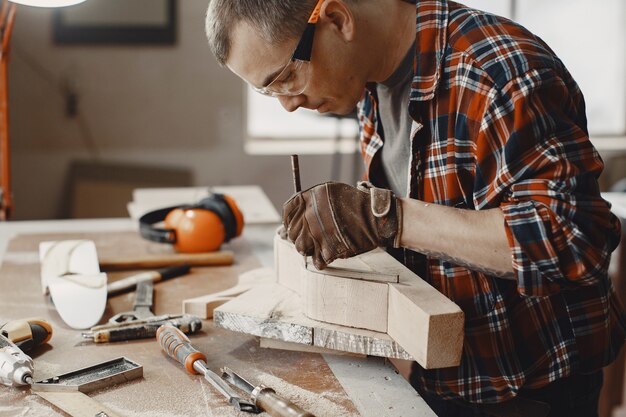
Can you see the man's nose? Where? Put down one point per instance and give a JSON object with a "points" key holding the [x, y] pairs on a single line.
{"points": [[292, 103]]}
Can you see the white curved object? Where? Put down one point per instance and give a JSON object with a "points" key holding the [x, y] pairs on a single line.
{"points": [[70, 273]]}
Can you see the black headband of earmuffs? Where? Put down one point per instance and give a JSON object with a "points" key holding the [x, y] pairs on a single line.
{"points": [[215, 203]]}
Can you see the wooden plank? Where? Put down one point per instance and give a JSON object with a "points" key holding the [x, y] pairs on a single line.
{"points": [[352, 273], [266, 311], [266, 343], [359, 341], [203, 306], [345, 301], [434, 332], [274, 311], [421, 319], [425, 323], [289, 264]]}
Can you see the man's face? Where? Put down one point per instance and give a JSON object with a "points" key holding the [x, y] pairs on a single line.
{"points": [[336, 80]]}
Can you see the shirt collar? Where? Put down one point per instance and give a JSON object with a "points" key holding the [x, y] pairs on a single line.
{"points": [[430, 45]]}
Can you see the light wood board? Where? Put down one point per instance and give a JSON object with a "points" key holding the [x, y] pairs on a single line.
{"points": [[203, 306], [274, 311], [345, 301], [422, 320], [266, 343]]}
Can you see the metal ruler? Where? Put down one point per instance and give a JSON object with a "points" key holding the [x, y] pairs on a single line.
{"points": [[77, 404]]}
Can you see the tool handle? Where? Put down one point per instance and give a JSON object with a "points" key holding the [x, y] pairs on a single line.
{"points": [[295, 168], [224, 257], [177, 345], [27, 333], [174, 271], [276, 406], [128, 331]]}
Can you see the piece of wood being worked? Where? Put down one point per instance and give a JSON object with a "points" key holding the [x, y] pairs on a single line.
{"points": [[290, 266], [274, 311], [266, 343], [426, 324], [203, 306], [422, 320], [345, 301]]}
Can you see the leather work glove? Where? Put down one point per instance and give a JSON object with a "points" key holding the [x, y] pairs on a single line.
{"points": [[334, 220]]}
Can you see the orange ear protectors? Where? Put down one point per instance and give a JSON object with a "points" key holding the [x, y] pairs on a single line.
{"points": [[201, 227]]}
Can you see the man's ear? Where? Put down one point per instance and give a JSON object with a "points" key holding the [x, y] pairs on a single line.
{"points": [[339, 15]]}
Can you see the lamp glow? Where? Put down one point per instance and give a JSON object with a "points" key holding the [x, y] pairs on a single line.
{"points": [[48, 3]]}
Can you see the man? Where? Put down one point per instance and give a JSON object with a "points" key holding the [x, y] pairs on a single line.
{"points": [[486, 149]]}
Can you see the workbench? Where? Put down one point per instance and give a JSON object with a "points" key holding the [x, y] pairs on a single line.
{"points": [[327, 385]]}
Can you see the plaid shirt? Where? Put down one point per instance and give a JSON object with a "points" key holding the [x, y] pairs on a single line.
{"points": [[499, 122]]}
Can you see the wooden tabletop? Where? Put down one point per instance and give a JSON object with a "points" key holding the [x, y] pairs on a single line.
{"points": [[310, 380]]}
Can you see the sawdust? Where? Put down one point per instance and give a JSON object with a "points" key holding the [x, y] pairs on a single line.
{"points": [[321, 405], [44, 369], [29, 406], [125, 400]]}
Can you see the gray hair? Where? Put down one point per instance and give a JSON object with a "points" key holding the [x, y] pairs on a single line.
{"points": [[276, 20]]}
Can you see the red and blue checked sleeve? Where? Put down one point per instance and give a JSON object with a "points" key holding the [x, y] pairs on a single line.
{"points": [[540, 167]]}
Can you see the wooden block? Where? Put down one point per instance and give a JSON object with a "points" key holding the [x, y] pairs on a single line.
{"points": [[267, 311], [289, 264], [273, 311], [421, 320], [203, 306], [332, 336], [427, 324], [266, 343], [348, 272], [360, 267], [346, 301]]}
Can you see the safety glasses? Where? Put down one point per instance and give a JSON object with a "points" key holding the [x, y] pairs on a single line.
{"points": [[294, 77]]}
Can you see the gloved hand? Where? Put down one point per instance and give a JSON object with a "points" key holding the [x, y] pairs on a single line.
{"points": [[334, 220]]}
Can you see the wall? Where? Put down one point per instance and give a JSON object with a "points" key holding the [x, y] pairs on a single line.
{"points": [[171, 106]]}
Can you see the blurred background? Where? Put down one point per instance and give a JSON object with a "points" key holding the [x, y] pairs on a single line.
{"points": [[112, 95]]}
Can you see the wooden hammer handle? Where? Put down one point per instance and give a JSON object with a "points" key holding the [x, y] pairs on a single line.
{"points": [[162, 260]]}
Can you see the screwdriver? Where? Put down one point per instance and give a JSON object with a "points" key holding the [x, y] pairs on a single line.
{"points": [[27, 334], [176, 344], [16, 368]]}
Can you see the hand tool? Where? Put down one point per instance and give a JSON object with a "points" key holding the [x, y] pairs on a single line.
{"points": [[93, 377], [140, 323], [295, 168], [167, 259], [16, 368], [129, 283], [67, 391], [265, 398], [141, 307], [27, 333], [142, 329], [178, 346]]}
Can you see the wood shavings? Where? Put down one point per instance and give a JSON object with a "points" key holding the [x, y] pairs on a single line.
{"points": [[321, 405]]}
